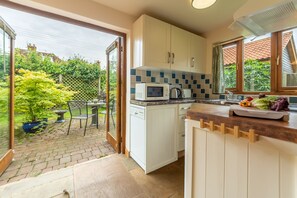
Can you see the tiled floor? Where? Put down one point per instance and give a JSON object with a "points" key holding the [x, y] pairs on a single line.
{"points": [[53, 149], [113, 176]]}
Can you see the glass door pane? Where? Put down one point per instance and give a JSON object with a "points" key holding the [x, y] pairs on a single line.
{"points": [[4, 93], [113, 61]]}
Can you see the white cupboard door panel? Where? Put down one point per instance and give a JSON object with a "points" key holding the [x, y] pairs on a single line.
{"points": [[181, 123], [161, 135], [263, 179], [199, 163], [288, 179], [197, 53], [215, 165], [156, 43], [138, 139], [236, 157], [179, 49]]}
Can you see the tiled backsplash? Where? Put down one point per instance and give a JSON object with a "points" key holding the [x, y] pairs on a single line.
{"points": [[200, 84]]}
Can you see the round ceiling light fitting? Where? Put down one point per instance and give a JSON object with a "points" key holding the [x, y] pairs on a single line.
{"points": [[201, 4]]}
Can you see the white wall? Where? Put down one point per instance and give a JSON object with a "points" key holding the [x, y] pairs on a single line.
{"points": [[94, 13], [218, 35]]}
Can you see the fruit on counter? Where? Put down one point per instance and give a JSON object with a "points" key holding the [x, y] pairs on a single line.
{"points": [[262, 95], [249, 98], [280, 104], [245, 103]]}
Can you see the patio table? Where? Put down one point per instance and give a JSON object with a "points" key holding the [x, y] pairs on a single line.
{"points": [[95, 106]]}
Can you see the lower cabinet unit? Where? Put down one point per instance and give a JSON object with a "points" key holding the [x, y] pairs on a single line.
{"points": [[223, 166], [153, 135]]}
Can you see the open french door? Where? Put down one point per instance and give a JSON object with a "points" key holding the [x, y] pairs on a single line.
{"points": [[7, 37], [114, 94]]}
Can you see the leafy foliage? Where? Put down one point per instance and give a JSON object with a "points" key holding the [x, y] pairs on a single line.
{"points": [[36, 94], [256, 76]]}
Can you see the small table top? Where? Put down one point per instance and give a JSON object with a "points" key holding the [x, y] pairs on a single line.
{"points": [[94, 104]]}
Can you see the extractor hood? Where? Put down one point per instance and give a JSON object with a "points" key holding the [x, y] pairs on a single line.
{"points": [[260, 17]]}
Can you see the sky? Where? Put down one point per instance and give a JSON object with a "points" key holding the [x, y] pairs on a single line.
{"points": [[63, 39]]}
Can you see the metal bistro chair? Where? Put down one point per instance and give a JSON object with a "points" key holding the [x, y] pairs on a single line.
{"points": [[79, 110]]}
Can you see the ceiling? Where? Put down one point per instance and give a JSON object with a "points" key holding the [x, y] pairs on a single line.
{"points": [[180, 12]]}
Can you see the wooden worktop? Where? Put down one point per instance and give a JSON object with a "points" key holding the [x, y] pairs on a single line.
{"points": [[271, 128]]}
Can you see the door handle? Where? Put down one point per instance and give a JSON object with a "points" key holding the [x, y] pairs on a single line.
{"points": [[173, 56], [169, 57], [193, 62]]}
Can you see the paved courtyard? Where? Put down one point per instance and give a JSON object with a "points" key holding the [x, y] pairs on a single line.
{"points": [[53, 149]]}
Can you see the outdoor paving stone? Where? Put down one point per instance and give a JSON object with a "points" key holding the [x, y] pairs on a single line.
{"points": [[65, 160], [40, 166], [59, 166], [47, 170], [82, 160], [86, 154], [52, 163], [2, 182], [17, 178], [25, 170], [58, 156], [76, 157], [9, 174], [96, 152], [71, 163]]}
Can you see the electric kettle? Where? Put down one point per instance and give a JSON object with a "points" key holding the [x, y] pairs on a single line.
{"points": [[176, 93]]}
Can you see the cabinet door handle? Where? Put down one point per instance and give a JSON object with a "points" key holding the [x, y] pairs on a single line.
{"points": [[184, 117], [169, 57], [185, 108], [183, 135], [192, 62], [173, 58]]}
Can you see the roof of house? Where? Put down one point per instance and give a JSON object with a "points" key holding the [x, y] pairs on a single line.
{"points": [[256, 50]]}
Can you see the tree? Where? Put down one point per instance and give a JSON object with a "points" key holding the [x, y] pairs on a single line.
{"points": [[256, 76]]}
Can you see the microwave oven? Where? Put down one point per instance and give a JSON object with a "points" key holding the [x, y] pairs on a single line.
{"points": [[151, 91]]}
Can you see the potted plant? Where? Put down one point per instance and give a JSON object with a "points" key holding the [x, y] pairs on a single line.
{"points": [[36, 94]]}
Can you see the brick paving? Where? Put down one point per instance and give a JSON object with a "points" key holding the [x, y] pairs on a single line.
{"points": [[53, 149]]}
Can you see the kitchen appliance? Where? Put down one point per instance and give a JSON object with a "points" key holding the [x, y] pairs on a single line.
{"points": [[187, 93], [176, 93], [151, 91]]}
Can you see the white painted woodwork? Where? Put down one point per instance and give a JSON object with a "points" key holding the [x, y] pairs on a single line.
{"points": [[263, 171], [159, 45], [158, 130], [182, 111], [151, 43], [214, 165], [199, 162], [236, 175], [179, 49], [197, 53], [223, 166]]}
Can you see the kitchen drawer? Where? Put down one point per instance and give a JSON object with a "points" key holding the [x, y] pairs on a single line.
{"points": [[181, 123], [183, 108], [181, 142], [138, 112]]}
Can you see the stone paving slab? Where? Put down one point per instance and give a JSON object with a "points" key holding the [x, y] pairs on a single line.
{"points": [[53, 149]]}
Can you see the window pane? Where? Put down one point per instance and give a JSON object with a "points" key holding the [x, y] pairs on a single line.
{"points": [[229, 57], [289, 64], [257, 65]]}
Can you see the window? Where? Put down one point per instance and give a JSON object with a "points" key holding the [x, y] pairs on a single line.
{"points": [[263, 64]]}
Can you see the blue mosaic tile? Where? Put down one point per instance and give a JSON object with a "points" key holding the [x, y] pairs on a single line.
{"points": [[194, 95], [153, 79], [176, 81], [206, 95], [189, 86], [202, 90], [132, 91], [210, 86], [138, 78], [173, 75], [198, 86], [194, 82], [148, 73], [192, 77], [202, 76], [162, 74], [183, 76], [186, 81], [165, 80], [206, 81], [293, 100], [133, 72], [222, 97]]}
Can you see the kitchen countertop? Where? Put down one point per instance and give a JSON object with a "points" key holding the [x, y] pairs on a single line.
{"points": [[161, 102], [271, 128]]}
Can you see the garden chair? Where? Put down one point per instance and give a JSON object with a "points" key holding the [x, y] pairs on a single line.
{"points": [[79, 110]]}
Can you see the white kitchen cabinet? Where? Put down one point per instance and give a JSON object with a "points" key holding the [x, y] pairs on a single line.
{"points": [[182, 111], [153, 136], [218, 166], [159, 45]]}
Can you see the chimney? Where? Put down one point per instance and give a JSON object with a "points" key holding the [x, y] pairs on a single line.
{"points": [[31, 47]]}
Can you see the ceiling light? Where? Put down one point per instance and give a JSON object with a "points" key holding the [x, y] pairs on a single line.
{"points": [[201, 4]]}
